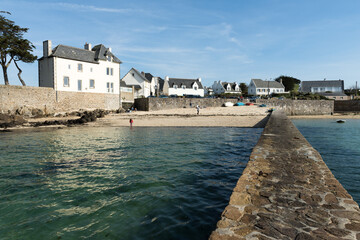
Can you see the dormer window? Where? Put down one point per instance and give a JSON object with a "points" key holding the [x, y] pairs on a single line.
{"points": [[196, 88], [109, 58], [183, 87], [175, 86]]}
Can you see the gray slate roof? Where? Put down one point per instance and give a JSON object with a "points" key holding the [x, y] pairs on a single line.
{"points": [[267, 84], [187, 82], [148, 76], [232, 85], [123, 84], [99, 52], [307, 85]]}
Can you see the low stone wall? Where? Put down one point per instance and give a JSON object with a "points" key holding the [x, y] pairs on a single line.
{"points": [[50, 101], [347, 106], [287, 192], [153, 104], [301, 107]]}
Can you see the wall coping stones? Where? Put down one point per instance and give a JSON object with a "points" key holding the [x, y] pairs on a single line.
{"points": [[287, 192]]}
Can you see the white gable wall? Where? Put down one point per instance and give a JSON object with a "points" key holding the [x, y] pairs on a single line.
{"points": [[133, 78]]}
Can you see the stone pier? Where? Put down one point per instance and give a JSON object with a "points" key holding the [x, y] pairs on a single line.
{"points": [[287, 192]]}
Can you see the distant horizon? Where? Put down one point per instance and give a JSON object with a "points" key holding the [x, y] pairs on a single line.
{"points": [[231, 41]]}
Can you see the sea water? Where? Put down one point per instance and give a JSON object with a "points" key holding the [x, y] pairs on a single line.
{"points": [[118, 183], [339, 146]]}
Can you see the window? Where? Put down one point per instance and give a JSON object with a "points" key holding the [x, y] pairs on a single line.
{"points": [[196, 88], [110, 87], [69, 66], [66, 82], [183, 87], [175, 86], [109, 58], [92, 83], [90, 69], [133, 74], [79, 85], [110, 71], [80, 67], [315, 89], [259, 90], [322, 89]]}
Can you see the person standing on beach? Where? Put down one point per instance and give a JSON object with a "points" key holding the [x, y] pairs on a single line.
{"points": [[198, 109], [131, 122]]}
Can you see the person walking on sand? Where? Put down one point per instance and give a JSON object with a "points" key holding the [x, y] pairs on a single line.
{"points": [[131, 122], [197, 109]]}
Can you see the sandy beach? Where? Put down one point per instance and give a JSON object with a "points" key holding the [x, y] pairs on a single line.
{"points": [[243, 116]]}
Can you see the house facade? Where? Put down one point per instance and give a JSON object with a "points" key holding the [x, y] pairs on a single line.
{"points": [[140, 81], [258, 87], [323, 86], [331, 89], [220, 87], [182, 87], [92, 70]]}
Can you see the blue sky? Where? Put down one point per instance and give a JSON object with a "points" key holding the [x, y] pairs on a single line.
{"points": [[215, 40]]}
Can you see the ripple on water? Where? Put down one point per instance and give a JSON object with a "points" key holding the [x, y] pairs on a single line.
{"points": [[116, 183]]}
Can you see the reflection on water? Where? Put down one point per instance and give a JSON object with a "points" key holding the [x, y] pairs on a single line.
{"points": [[116, 183], [339, 146]]}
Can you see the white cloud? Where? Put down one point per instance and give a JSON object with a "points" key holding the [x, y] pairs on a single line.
{"points": [[91, 8]]}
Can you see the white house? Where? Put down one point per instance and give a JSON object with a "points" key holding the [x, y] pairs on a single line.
{"points": [[92, 70], [258, 87], [220, 87], [182, 87], [142, 83]]}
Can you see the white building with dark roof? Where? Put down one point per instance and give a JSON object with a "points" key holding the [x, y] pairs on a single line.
{"points": [[93, 70], [182, 87], [333, 86], [141, 83], [258, 87], [220, 87]]}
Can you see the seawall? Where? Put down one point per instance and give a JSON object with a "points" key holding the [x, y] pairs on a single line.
{"points": [[290, 107], [287, 192], [301, 107], [153, 104], [50, 101], [347, 106]]}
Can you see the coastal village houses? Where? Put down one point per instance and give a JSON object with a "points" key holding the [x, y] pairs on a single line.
{"points": [[332, 89], [225, 87], [182, 87], [141, 82], [258, 87], [91, 70]]}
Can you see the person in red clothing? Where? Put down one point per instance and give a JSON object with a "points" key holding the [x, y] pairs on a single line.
{"points": [[131, 122]]}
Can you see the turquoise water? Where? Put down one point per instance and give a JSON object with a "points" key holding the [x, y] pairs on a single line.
{"points": [[339, 145], [117, 183]]}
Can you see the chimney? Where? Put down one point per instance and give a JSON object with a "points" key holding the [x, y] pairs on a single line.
{"points": [[109, 49], [87, 46], [47, 51], [281, 80], [199, 79], [167, 78]]}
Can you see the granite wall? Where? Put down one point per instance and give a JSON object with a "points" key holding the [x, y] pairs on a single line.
{"points": [[51, 101], [301, 107], [152, 104], [287, 192], [347, 106]]}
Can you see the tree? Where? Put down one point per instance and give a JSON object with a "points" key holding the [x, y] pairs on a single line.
{"points": [[244, 88], [13, 47], [290, 83]]}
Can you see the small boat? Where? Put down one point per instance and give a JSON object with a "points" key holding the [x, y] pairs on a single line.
{"points": [[341, 121], [228, 104], [249, 104], [239, 104], [262, 105]]}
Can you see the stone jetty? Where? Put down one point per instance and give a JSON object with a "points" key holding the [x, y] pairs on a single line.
{"points": [[287, 192]]}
